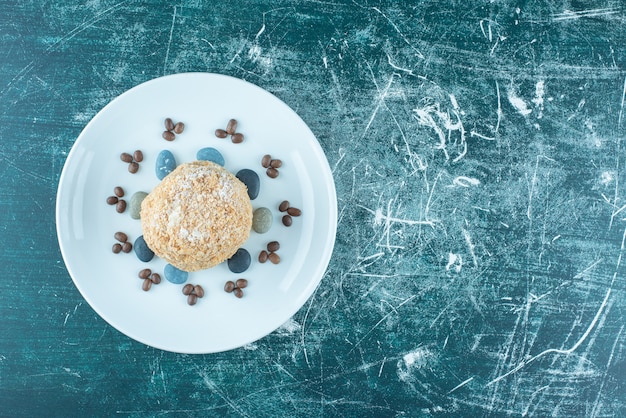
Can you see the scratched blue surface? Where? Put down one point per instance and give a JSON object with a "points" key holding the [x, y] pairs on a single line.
{"points": [[479, 156]]}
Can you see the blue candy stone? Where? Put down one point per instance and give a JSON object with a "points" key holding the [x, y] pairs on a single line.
{"points": [[251, 180], [210, 154], [165, 164], [143, 252], [239, 262], [174, 275]]}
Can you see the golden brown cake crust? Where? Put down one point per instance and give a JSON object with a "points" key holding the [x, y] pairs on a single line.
{"points": [[197, 217]]}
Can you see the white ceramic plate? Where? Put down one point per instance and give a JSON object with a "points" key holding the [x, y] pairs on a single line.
{"points": [[161, 317]]}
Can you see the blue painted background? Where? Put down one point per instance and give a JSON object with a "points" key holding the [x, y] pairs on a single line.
{"points": [[479, 157]]}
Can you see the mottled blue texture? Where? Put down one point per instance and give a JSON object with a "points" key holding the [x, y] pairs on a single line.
{"points": [[479, 157], [175, 275], [210, 154], [240, 261], [142, 251], [165, 164]]}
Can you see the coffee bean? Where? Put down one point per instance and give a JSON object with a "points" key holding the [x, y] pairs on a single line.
{"points": [[168, 136], [127, 247], [237, 138], [262, 220], [146, 285], [138, 156], [241, 283], [284, 205], [117, 248], [265, 161], [240, 261], [220, 133], [156, 278], [273, 246], [238, 292], [120, 206], [263, 256], [145, 274], [229, 286], [169, 124], [126, 157], [251, 180], [231, 128], [272, 172], [111, 200], [142, 251], [133, 167], [187, 289], [118, 191], [192, 299], [179, 128], [198, 291], [294, 211], [121, 237], [274, 258], [175, 275], [276, 163], [287, 220]]}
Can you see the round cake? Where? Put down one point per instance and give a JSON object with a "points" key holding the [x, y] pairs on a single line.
{"points": [[197, 217]]}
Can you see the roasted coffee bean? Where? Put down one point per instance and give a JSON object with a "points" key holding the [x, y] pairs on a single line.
{"points": [[121, 237], [133, 167], [187, 289], [156, 278], [241, 283], [265, 161], [272, 172], [238, 292], [274, 258], [126, 157], [120, 206], [276, 163], [287, 220], [111, 200], [198, 291], [145, 274], [237, 138], [127, 247], [117, 248], [294, 211], [284, 205], [231, 128], [169, 124], [240, 261], [138, 156], [168, 136], [192, 299], [263, 256], [251, 179], [179, 128], [220, 133], [229, 286], [146, 285], [118, 191], [273, 246]]}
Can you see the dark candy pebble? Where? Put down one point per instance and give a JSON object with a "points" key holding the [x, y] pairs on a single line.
{"points": [[265, 161], [156, 278], [287, 220], [146, 285], [220, 133], [187, 289], [284, 205], [127, 247], [138, 156], [272, 172], [112, 200], [294, 211], [142, 251], [179, 128], [241, 283], [174, 275], [229, 286], [238, 292], [239, 262], [126, 157], [165, 164], [237, 138], [169, 124], [168, 135], [210, 154], [251, 180], [145, 273], [133, 167]]}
